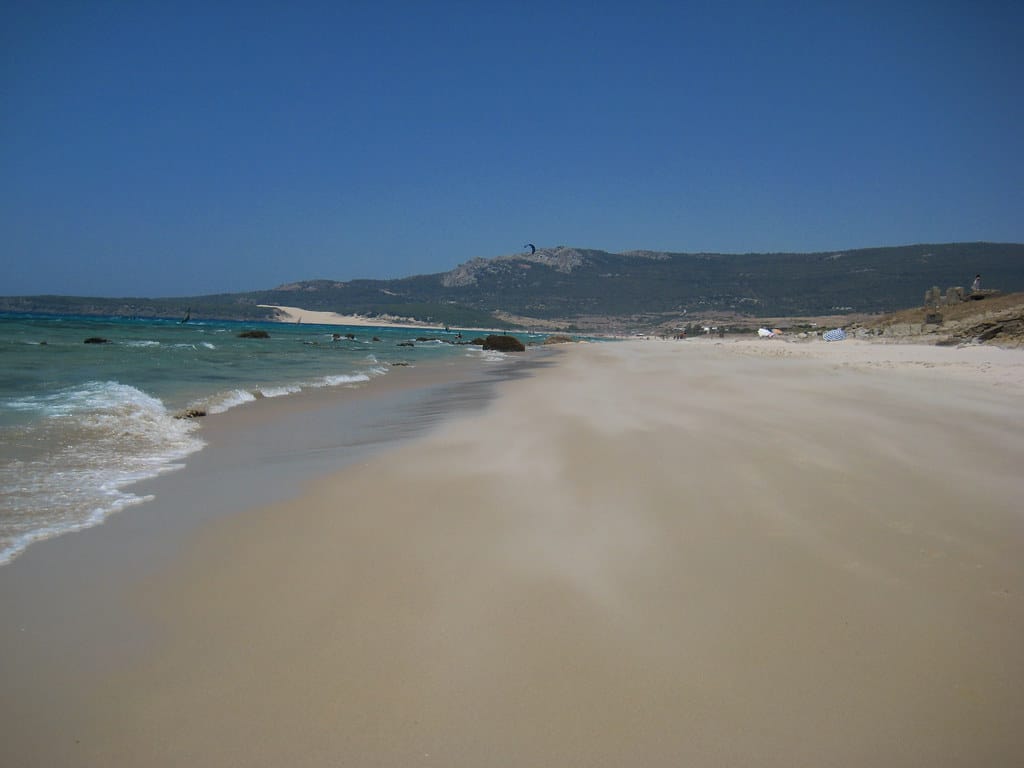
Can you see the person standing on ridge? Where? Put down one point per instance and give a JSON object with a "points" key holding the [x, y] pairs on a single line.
{"points": [[976, 285]]}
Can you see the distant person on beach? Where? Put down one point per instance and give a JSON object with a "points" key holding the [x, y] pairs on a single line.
{"points": [[976, 285]]}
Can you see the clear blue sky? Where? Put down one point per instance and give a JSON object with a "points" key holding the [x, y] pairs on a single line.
{"points": [[161, 149]]}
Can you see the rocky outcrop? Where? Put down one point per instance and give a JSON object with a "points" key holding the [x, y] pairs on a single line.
{"points": [[1006, 332], [560, 259], [254, 335], [464, 274], [974, 318], [502, 343]]}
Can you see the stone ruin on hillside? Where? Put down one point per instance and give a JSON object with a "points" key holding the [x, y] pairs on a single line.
{"points": [[933, 296]]}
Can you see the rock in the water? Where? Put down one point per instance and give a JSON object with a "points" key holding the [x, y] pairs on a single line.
{"points": [[503, 343], [254, 335], [97, 340]]}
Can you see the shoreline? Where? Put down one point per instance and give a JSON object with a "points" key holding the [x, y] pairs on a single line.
{"points": [[648, 552], [64, 598], [309, 432]]}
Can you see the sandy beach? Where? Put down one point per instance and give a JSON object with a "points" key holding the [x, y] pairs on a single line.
{"points": [[299, 315], [688, 553]]}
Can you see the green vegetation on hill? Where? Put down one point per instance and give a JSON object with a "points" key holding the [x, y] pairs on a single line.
{"points": [[221, 306], [567, 284]]}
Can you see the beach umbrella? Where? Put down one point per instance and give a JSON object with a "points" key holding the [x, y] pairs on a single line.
{"points": [[837, 334]]}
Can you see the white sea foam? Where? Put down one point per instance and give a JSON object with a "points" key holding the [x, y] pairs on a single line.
{"points": [[142, 343], [92, 442], [279, 391], [225, 401], [207, 344], [340, 380], [84, 398], [486, 355]]}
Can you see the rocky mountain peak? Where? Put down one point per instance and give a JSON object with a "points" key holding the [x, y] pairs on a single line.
{"points": [[561, 259]]}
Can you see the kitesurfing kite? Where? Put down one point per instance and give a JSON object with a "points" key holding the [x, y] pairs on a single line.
{"points": [[532, 247]]}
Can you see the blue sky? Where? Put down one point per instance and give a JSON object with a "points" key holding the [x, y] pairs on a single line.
{"points": [[162, 149]]}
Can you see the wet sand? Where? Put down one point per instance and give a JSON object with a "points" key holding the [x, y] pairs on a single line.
{"points": [[648, 553]]}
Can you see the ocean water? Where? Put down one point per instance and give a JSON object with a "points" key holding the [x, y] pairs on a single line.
{"points": [[81, 423]]}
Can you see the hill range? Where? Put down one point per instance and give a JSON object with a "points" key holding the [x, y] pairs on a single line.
{"points": [[584, 289]]}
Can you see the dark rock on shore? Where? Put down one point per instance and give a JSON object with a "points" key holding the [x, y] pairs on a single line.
{"points": [[501, 343], [190, 413], [1009, 331]]}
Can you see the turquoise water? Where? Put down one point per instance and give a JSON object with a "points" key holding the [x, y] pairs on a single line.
{"points": [[80, 423]]}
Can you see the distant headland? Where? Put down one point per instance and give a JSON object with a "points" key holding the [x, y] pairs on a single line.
{"points": [[578, 289]]}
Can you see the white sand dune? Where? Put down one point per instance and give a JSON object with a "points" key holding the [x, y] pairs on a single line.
{"points": [[299, 315]]}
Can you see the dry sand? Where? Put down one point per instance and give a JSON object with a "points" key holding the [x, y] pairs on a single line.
{"points": [[649, 553]]}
